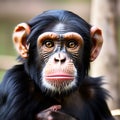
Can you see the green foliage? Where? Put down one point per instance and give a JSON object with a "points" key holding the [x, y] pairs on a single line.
{"points": [[6, 44]]}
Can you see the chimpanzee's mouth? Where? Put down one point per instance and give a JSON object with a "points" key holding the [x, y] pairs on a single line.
{"points": [[59, 77]]}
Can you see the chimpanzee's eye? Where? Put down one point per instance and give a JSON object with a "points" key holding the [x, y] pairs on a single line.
{"points": [[48, 43], [71, 44]]}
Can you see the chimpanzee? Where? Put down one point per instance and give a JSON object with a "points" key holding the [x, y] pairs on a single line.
{"points": [[52, 82]]}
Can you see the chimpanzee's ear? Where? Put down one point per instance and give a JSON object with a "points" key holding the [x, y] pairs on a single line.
{"points": [[97, 39], [20, 34]]}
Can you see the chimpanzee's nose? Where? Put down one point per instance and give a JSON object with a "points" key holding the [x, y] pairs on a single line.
{"points": [[60, 58]]}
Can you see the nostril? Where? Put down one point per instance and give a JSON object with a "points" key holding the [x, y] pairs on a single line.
{"points": [[56, 60], [63, 60]]}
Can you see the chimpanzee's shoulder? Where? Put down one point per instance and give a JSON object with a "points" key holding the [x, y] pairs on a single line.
{"points": [[15, 74], [15, 70], [92, 88]]}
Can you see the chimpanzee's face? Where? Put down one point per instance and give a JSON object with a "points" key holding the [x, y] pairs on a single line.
{"points": [[59, 49]]}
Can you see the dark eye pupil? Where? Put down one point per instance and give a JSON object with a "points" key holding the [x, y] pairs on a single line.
{"points": [[71, 44]]}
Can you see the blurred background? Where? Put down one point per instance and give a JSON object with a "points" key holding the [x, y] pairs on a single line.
{"points": [[102, 13]]}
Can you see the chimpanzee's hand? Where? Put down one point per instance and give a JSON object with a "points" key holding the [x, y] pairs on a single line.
{"points": [[52, 113]]}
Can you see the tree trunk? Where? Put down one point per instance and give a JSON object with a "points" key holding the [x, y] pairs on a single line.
{"points": [[104, 15]]}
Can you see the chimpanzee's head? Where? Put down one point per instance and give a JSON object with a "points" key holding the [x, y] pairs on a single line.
{"points": [[56, 48]]}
